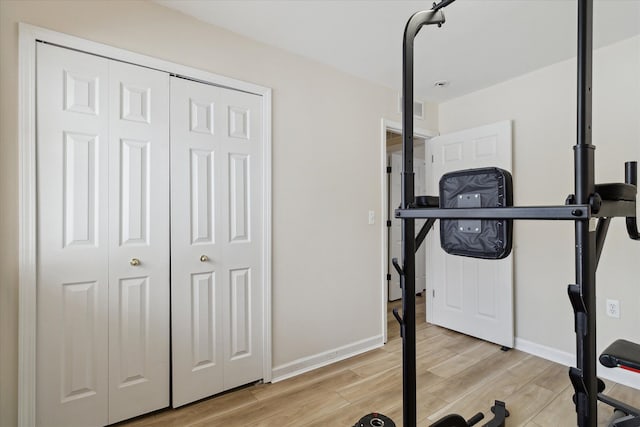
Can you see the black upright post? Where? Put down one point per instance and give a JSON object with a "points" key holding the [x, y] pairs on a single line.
{"points": [[408, 278], [585, 238]]}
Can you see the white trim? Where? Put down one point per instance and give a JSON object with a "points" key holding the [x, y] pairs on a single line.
{"points": [[28, 36], [388, 125], [309, 363], [548, 353], [383, 231], [267, 371], [619, 376], [27, 228], [73, 42]]}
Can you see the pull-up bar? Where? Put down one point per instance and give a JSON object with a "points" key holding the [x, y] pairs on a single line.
{"points": [[443, 3]]}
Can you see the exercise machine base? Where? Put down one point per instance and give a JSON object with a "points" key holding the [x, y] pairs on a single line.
{"points": [[499, 410], [375, 420]]}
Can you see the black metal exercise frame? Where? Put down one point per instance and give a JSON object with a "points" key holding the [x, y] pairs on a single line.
{"points": [[582, 208]]}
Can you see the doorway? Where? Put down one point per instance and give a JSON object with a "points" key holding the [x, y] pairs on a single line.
{"points": [[394, 225], [487, 306], [392, 166]]}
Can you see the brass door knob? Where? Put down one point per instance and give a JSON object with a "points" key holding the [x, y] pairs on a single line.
{"points": [[134, 262], [204, 258]]}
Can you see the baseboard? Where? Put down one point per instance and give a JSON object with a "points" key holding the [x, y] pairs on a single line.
{"points": [[619, 376], [548, 353], [319, 360]]}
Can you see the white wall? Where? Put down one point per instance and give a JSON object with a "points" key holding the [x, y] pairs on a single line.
{"points": [[542, 106], [327, 169]]}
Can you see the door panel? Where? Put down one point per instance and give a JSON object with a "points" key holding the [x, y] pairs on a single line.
{"points": [[79, 303], [72, 127], [205, 297], [139, 227], [216, 234], [80, 194], [134, 310], [238, 195], [134, 187], [203, 205], [473, 296], [240, 316]]}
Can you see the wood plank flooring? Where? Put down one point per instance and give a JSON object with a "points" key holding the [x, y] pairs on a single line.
{"points": [[456, 373]]}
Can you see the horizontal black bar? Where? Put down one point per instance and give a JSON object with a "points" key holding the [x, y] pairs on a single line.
{"points": [[619, 405], [568, 212], [443, 3]]}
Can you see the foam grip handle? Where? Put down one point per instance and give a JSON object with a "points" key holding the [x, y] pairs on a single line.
{"points": [[632, 228], [475, 419], [631, 177]]}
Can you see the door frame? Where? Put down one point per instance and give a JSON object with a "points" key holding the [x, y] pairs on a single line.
{"points": [[29, 35], [389, 125]]}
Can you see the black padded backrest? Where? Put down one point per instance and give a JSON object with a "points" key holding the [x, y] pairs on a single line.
{"points": [[487, 188], [622, 353]]}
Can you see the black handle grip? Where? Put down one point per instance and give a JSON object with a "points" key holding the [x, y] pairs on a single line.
{"points": [[631, 177], [396, 315], [475, 419], [632, 228], [394, 261]]}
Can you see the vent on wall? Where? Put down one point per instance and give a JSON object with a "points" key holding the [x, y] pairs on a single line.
{"points": [[418, 108]]}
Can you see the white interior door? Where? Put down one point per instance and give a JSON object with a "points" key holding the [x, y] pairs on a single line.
{"points": [[102, 331], [73, 244], [395, 231], [420, 170], [139, 240], [471, 295], [216, 234]]}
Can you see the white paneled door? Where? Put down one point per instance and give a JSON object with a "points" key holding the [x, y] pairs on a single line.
{"points": [[73, 246], [138, 240], [103, 239], [216, 239], [473, 296]]}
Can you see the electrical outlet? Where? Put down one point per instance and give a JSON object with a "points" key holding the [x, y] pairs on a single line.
{"points": [[613, 308], [372, 217]]}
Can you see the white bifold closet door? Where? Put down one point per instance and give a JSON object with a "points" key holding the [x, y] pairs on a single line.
{"points": [[216, 235], [103, 239], [138, 234]]}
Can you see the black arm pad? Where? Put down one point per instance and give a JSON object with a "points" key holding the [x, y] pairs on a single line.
{"points": [[621, 353]]}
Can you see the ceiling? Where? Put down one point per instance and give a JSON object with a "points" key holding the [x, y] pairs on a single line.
{"points": [[482, 43]]}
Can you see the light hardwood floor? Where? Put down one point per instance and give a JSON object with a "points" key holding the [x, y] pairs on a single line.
{"points": [[456, 374]]}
